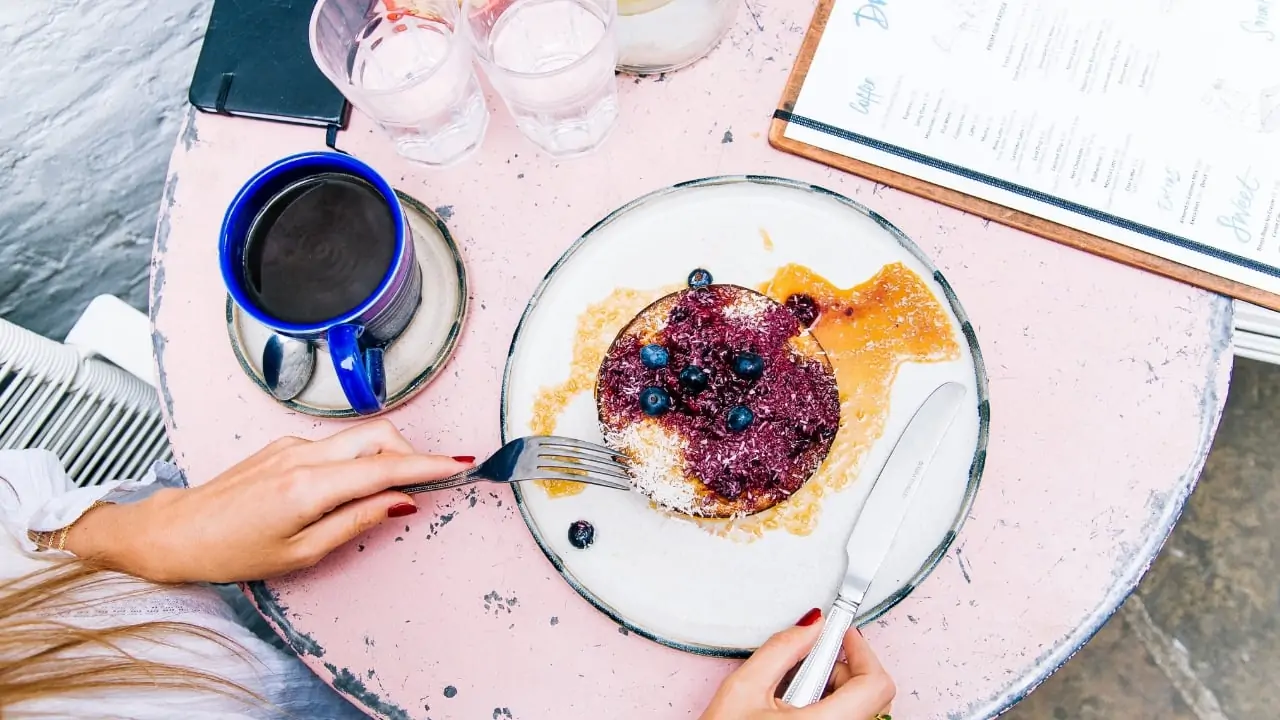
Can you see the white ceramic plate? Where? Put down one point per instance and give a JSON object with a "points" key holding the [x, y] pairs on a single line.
{"points": [[669, 578], [413, 359]]}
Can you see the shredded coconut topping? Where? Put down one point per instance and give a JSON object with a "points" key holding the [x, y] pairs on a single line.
{"points": [[748, 306], [657, 463]]}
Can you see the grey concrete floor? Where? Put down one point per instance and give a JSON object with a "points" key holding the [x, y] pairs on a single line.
{"points": [[1200, 639]]}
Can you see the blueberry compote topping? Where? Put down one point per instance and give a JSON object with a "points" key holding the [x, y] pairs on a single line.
{"points": [[581, 534], [756, 416]]}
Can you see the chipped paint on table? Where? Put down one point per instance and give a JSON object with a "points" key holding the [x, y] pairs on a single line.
{"points": [[1106, 387]]}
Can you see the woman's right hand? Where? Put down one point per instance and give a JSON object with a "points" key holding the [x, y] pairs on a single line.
{"points": [[862, 688], [281, 509]]}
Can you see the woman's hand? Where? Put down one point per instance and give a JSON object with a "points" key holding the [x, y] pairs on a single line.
{"points": [[862, 689], [282, 509]]}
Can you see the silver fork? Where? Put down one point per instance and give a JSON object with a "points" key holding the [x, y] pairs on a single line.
{"points": [[542, 457]]}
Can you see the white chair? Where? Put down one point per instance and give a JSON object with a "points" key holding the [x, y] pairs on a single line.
{"points": [[103, 422], [1257, 334]]}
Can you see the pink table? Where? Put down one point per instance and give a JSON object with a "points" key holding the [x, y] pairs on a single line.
{"points": [[1106, 388]]}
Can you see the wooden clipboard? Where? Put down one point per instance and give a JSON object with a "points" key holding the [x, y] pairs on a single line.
{"points": [[977, 206]]}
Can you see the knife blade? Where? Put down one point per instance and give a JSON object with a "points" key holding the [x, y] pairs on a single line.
{"points": [[874, 532]]}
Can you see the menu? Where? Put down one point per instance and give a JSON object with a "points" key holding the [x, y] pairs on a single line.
{"points": [[1152, 123]]}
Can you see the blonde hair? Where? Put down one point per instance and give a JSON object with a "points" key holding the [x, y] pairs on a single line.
{"points": [[44, 656]]}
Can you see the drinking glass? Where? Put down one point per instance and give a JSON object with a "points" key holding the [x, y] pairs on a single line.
{"points": [[552, 61], [404, 64]]}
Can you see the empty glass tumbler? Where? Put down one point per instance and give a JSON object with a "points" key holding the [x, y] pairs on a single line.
{"points": [[405, 64], [552, 61]]}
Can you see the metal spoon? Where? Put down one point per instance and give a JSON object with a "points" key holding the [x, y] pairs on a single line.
{"points": [[287, 365]]}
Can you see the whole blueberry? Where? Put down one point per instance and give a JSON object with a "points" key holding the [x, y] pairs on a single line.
{"points": [[654, 401], [699, 278], [654, 356], [740, 418], [748, 365], [804, 307], [693, 379], [581, 534]]}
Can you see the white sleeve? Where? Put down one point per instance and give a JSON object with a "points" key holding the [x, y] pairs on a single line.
{"points": [[36, 494]]}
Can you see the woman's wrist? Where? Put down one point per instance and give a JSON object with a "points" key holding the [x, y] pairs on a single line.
{"points": [[56, 539], [107, 534]]}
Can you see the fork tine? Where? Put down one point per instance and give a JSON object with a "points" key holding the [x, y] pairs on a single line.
{"points": [[580, 462], [593, 461], [590, 479], [581, 445]]}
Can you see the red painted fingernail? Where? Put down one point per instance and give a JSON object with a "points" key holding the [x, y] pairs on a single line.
{"points": [[809, 618], [464, 458], [401, 510]]}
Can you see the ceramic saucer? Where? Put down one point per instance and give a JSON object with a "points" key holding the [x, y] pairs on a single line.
{"points": [[413, 359]]}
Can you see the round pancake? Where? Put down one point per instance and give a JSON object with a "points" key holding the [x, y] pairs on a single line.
{"points": [[690, 458]]}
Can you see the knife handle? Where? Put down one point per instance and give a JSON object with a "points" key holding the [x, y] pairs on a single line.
{"points": [[809, 682]]}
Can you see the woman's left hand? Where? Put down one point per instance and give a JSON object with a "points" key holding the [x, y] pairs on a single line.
{"points": [[860, 689], [282, 509]]}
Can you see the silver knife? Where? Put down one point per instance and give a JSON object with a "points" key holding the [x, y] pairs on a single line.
{"points": [[873, 534]]}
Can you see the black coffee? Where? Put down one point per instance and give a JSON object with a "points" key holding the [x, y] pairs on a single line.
{"points": [[319, 249]]}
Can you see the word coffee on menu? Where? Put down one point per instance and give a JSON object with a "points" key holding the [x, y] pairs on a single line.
{"points": [[1152, 123]]}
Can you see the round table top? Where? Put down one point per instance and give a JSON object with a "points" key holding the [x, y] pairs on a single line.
{"points": [[1106, 386]]}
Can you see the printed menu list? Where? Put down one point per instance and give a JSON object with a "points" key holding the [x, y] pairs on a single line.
{"points": [[1152, 123]]}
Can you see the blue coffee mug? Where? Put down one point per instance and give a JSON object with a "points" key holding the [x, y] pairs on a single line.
{"points": [[356, 339]]}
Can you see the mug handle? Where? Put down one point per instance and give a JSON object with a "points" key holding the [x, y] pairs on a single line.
{"points": [[360, 370]]}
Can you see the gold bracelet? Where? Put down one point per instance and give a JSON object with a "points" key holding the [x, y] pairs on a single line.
{"points": [[57, 539]]}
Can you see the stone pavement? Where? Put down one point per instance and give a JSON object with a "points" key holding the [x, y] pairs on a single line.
{"points": [[1200, 640]]}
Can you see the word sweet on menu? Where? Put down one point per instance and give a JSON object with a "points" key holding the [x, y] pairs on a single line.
{"points": [[1152, 123]]}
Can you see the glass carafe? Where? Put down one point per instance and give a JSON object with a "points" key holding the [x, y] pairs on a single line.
{"points": [[656, 36]]}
